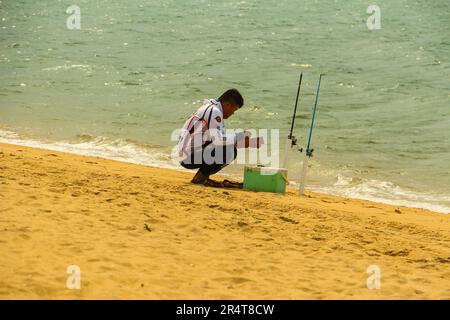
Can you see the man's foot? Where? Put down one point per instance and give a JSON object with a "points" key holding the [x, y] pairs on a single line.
{"points": [[199, 178], [212, 183], [223, 184], [232, 184]]}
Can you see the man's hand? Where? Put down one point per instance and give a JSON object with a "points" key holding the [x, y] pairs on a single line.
{"points": [[253, 142]]}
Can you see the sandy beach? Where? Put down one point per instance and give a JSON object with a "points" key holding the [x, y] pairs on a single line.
{"points": [[138, 232]]}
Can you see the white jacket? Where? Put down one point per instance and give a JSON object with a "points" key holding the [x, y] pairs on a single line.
{"points": [[204, 126]]}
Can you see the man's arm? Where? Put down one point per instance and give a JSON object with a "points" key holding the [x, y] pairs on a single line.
{"points": [[249, 142], [217, 131], [220, 137]]}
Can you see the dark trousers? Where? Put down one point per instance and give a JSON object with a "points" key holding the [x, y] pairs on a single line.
{"points": [[211, 159]]}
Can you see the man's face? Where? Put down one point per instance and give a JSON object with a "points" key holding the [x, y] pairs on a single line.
{"points": [[228, 109]]}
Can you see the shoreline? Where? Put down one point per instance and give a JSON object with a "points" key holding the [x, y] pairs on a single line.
{"points": [[139, 232], [143, 158]]}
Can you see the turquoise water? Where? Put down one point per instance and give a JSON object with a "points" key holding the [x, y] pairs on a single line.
{"points": [[135, 70]]}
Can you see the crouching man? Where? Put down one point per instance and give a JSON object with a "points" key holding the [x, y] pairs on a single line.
{"points": [[204, 145]]}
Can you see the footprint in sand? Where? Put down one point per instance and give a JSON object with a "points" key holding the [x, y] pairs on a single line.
{"points": [[443, 260], [421, 280], [233, 280], [397, 253], [80, 182], [242, 224], [25, 236], [125, 204], [288, 220]]}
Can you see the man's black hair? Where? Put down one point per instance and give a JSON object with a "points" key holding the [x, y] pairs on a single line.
{"points": [[232, 96]]}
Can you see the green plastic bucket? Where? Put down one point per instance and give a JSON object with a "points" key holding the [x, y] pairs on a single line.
{"points": [[265, 179]]}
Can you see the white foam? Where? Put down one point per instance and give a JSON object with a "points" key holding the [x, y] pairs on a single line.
{"points": [[117, 149], [386, 192], [68, 67]]}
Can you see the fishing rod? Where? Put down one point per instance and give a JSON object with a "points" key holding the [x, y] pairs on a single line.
{"points": [[291, 139], [309, 151]]}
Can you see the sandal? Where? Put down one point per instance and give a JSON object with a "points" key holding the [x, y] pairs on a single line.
{"points": [[212, 183], [223, 184], [232, 184]]}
